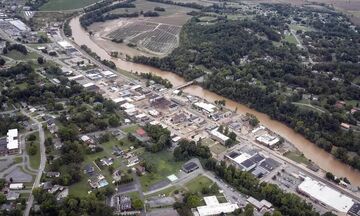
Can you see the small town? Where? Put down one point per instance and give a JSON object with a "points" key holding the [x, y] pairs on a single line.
{"points": [[75, 127]]}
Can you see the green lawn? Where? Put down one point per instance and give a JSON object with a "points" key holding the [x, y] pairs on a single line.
{"points": [[81, 188], [56, 5], [297, 157], [290, 39], [196, 185], [16, 55], [165, 166], [130, 128], [34, 159], [18, 160]]}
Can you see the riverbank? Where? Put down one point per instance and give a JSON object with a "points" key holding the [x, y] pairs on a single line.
{"points": [[322, 158]]}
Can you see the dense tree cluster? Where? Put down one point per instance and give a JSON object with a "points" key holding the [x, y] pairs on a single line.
{"points": [[188, 149], [93, 204], [107, 63], [18, 47], [151, 14], [101, 14], [182, 4], [160, 137], [157, 79], [67, 28]]}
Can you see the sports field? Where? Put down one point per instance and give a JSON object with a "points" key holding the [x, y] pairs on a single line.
{"points": [[55, 5]]}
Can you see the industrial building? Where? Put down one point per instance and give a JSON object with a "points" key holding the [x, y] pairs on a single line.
{"points": [[213, 207], [245, 161], [206, 107], [325, 195]]}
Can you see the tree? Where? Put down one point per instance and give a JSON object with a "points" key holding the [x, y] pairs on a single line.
{"points": [[113, 121], [2, 183], [2, 198], [137, 204], [249, 210], [193, 201], [221, 128], [41, 60], [32, 150], [2, 61], [330, 176], [32, 137]]}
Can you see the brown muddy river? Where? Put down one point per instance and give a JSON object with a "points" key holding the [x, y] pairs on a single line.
{"points": [[325, 160]]}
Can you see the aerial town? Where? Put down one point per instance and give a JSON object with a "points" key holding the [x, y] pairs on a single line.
{"points": [[81, 134]]}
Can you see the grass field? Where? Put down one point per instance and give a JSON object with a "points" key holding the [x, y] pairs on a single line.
{"points": [[297, 157], [16, 55], [130, 128], [56, 5], [290, 39], [34, 159], [198, 183], [165, 165]]}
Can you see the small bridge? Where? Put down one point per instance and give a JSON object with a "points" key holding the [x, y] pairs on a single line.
{"points": [[184, 85]]}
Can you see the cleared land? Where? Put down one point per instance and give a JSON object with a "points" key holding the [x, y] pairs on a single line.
{"points": [[55, 5]]}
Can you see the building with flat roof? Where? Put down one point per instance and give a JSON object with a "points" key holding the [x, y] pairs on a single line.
{"points": [[213, 207], [207, 107], [325, 195], [189, 167], [216, 135], [267, 140], [12, 141]]}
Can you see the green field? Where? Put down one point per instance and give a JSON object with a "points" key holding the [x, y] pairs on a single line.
{"points": [[16, 55], [297, 157], [165, 166], [55, 5], [290, 39], [198, 183]]}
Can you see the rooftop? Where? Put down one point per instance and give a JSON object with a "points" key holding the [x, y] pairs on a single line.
{"points": [[326, 195]]}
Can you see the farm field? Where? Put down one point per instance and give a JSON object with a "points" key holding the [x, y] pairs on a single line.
{"points": [[149, 36], [153, 37], [55, 5]]}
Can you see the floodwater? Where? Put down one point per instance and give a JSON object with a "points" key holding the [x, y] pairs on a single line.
{"points": [[322, 158]]}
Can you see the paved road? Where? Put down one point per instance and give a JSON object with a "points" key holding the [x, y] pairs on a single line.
{"points": [[42, 162]]}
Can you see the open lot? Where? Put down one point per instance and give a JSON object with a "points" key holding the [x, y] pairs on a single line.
{"points": [[56, 5], [165, 165], [34, 158], [198, 183]]}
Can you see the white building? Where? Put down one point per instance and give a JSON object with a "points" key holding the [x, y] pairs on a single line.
{"points": [[12, 141], [66, 45], [16, 186], [267, 140], [325, 195], [213, 207], [209, 108], [216, 135], [108, 74]]}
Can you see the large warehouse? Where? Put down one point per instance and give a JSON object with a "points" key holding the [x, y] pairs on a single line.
{"points": [[325, 195]]}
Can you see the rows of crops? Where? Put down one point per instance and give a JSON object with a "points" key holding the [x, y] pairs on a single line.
{"points": [[155, 37], [132, 29]]}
